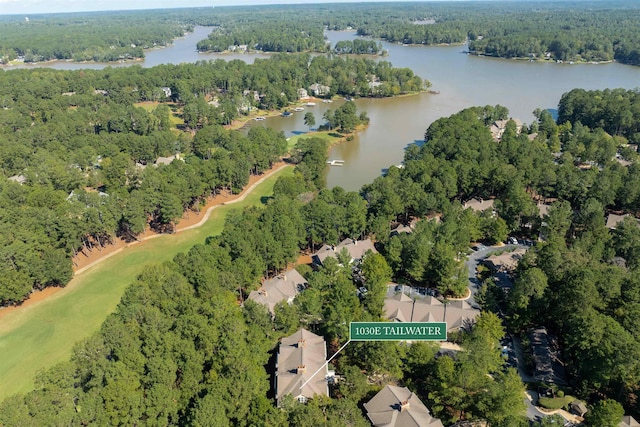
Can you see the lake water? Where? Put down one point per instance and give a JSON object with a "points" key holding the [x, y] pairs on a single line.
{"points": [[462, 80]]}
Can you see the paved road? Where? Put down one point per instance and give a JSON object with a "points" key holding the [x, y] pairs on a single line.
{"points": [[472, 264]]}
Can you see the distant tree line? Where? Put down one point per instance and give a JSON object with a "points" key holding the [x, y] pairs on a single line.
{"points": [[566, 31], [103, 37]]}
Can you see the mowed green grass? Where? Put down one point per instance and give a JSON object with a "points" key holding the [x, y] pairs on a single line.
{"points": [[44, 334], [328, 136]]}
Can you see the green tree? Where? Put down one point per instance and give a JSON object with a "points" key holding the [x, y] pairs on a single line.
{"points": [[309, 119], [605, 413], [377, 275]]}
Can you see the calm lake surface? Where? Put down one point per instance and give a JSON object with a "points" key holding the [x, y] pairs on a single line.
{"points": [[462, 80]]}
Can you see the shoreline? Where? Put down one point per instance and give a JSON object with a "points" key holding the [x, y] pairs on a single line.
{"points": [[544, 60]]}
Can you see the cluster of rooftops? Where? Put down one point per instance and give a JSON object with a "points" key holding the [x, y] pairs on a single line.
{"points": [[301, 364], [301, 371], [398, 307]]}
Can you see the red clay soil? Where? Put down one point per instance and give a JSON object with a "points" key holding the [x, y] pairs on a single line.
{"points": [[189, 220], [35, 297], [304, 259]]}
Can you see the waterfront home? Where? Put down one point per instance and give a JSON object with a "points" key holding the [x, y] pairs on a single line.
{"points": [[319, 90], [498, 127]]}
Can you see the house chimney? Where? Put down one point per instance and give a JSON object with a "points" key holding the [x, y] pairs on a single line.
{"points": [[404, 405], [301, 342], [301, 369]]}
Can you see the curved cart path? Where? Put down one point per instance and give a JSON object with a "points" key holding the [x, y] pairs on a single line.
{"points": [[84, 263]]}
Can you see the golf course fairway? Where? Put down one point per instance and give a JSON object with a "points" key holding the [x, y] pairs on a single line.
{"points": [[39, 336]]}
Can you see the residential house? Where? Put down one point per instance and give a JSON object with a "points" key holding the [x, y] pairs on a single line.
{"points": [[457, 314], [20, 179], [613, 220], [167, 91], [252, 94], [402, 228], [168, 160], [283, 287], [302, 93], [356, 249], [319, 90], [300, 356], [623, 162], [505, 262], [628, 421], [543, 209], [100, 92], [548, 367], [498, 127], [578, 408], [479, 205], [395, 406]]}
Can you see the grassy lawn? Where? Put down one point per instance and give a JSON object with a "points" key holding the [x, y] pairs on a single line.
{"points": [[175, 118], [555, 402], [331, 137], [42, 335]]}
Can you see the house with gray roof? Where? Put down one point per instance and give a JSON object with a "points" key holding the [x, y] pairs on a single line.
{"points": [[457, 314], [399, 407], [167, 160], [614, 220], [299, 357], [505, 262], [319, 90], [283, 287], [548, 368], [20, 179], [356, 248], [578, 408], [479, 205], [628, 421], [499, 126]]}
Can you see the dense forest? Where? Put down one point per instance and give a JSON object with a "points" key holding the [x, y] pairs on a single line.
{"points": [[565, 31], [80, 146]]}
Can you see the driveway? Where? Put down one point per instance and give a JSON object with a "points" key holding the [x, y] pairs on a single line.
{"points": [[472, 264]]}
